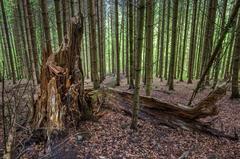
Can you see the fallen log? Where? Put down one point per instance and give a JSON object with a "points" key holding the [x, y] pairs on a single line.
{"points": [[171, 115]]}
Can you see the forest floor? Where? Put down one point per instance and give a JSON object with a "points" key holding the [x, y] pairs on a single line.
{"points": [[111, 137]]}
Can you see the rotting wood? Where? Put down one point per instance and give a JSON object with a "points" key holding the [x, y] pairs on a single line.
{"points": [[171, 115], [61, 100]]}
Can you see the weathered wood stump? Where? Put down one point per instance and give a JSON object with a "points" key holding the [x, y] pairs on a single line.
{"points": [[61, 98]]}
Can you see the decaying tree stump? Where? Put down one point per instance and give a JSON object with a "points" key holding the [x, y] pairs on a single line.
{"points": [[61, 95]]}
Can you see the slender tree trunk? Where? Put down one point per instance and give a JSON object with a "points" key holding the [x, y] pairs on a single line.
{"points": [[192, 43], [162, 42], [227, 67], [117, 43], [131, 46], [72, 8], [33, 37], [208, 37], [184, 41], [113, 50], [218, 64], [202, 27], [123, 31], [127, 43], [8, 42], [149, 47], [64, 16], [43, 4], [140, 22], [58, 20], [167, 42], [93, 44], [173, 43], [236, 59]]}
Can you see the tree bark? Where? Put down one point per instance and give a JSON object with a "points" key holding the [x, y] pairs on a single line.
{"points": [[32, 34], [140, 22], [208, 37], [43, 4], [117, 44], [149, 46], [236, 59], [8, 42], [192, 43], [216, 52], [173, 43], [131, 46], [58, 20], [93, 44]]}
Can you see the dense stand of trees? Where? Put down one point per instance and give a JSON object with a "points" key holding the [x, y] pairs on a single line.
{"points": [[140, 39]]}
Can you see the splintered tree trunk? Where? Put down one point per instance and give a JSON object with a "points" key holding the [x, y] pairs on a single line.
{"points": [[61, 97]]}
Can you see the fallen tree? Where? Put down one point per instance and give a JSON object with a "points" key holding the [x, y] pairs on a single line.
{"points": [[171, 115]]}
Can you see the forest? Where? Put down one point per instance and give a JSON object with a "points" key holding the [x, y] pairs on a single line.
{"points": [[99, 79]]}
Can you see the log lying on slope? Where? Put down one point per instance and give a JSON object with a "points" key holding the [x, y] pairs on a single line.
{"points": [[172, 115]]}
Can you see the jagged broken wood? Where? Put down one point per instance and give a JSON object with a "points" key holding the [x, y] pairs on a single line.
{"points": [[172, 115], [61, 99]]}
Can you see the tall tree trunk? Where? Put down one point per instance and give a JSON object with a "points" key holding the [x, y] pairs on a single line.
{"points": [[140, 21], [43, 4], [122, 36], [192, 43], [236, 59], [93, 44], [173, 43], [8, 42], [29, 44], [117, 43], [161, 56], [64, 16], [149, 46], [184, 41], [127, 43], [18, 44], [216, 52], [131, 46], [208, 37], [158, 42], [112, 39], [72, 8], [58, 20], [167, 42], [218, 64], [33, 36], [202, 27]]}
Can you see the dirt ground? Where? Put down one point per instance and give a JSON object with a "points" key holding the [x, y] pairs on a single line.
{"points": [[111, 137]]}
